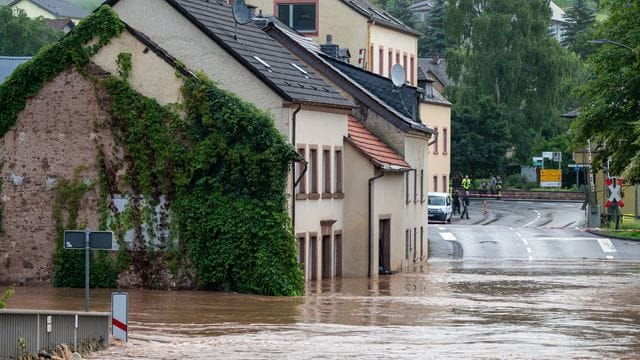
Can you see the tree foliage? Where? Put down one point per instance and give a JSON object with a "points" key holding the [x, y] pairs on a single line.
{"points": [[6, 296], [579, 29], [610, 114], [432, 40], [22, 36], [473, 153], [501, 49]]}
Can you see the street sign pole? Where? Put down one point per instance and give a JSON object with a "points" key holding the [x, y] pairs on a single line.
{"points": [[86, 271]]}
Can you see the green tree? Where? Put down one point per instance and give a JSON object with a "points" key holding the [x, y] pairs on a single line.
{"points": [[22, 36], [432, 40], [501, 49], [610, 114], [580, 25], [398, 9], [480, 138]]}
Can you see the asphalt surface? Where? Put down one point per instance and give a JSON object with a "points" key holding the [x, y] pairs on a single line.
{"points": [[525, 231]]}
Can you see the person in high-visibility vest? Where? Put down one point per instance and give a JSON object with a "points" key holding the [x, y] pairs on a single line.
{"points": [[466, 182]]}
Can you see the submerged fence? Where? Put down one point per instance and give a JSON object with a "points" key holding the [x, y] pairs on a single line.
{"points": [[33, 330]]}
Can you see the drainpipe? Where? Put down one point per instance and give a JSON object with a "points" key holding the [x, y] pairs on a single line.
{"points": [[370, 233], [293, 173]]}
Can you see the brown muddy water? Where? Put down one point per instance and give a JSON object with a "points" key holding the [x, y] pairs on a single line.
{"points": [[446, 310]]}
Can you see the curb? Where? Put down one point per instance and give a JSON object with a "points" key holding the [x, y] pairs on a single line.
{"points": [[597, 232]]}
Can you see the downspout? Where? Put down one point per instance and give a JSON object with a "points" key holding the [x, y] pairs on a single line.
{"points": [[293, 173], [370, 233]]}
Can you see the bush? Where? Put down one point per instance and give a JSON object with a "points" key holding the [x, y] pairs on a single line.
{"points": [[517, 181]]}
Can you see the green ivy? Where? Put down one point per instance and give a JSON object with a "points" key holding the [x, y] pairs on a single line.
{"points": [[68, 263], [72, 50]]}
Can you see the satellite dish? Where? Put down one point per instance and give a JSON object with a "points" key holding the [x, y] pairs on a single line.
{"points": [[397, 75], [241, 12]]}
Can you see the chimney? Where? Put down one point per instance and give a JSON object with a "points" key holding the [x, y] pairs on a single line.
{"points": [[329, 48], [435, 58]]}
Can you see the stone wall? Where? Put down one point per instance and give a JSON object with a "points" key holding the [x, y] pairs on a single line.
{"points": [[60, 130]]}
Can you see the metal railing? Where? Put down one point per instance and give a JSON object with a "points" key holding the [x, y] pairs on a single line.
{"points": [[29, 331]]}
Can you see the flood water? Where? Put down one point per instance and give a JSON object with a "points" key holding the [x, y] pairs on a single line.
{"points": [[446, 310]]}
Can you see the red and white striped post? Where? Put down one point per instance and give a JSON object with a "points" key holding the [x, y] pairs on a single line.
{"points": [[119, 315]]}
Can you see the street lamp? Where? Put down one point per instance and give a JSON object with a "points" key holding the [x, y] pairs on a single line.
{"points": [[607, 41]]}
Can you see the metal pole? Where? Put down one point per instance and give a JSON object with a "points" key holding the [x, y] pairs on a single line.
{"points": [[86, 271]]}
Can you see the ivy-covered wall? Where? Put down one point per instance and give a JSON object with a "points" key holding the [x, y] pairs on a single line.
{"points": [[219, 164]]}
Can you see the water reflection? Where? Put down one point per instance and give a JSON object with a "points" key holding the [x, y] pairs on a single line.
{"points": [[445, 310]]}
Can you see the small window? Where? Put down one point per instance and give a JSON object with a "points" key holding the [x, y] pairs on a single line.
{"points": [[313, 170], [415, 186], [422, 185], [435, 143], [381, 60], [301, 188], [444, 141], [337, 163], [326, 168], [390, 60], [406, 187], [299, 16], [435, 183]]}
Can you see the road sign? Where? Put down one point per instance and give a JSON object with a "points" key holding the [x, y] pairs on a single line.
{"points": [[538, 160], [614, 185], [119, 315], [550, 178], [75, 239], [101, 240], [557, 156], [547, 154]]}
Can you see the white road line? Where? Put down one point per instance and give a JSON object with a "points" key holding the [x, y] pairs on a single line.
{"points": [[447, 236], [517, 233], [529, 250], [530, 258], [550, 204], [607, 245], [525, 241], [536, 219], [442, 228]]}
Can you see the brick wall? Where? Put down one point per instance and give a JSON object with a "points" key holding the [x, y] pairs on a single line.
{"points": [[59, 130]]}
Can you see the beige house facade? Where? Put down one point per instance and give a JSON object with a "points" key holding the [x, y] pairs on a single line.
{"points": [[395, 197], [375, 39], [306, 110], [436, 113]]}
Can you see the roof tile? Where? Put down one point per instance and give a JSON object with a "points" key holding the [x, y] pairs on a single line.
{"points": [[372, 147]]}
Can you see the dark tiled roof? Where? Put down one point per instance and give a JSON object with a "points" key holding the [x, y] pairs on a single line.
{"points": [[367, 9], [421, 5], [372, 147], [61, 8], [261, 54], [437, 68], [402, 99], [357, 85], [10, 63], [60, 24]]}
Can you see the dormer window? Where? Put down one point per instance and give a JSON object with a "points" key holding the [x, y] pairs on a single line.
{"points": [[299, 16]]}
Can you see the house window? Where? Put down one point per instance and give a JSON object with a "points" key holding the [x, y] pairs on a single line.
{"points": [[415, 248], [326, 169], [397, 57], [390, 60], [381, 60], [404, 64], [435, 143], [406, 186], [302, 253], [411, 69], [444, 141], [421, 185], [313, 170], [421, 242], [299, 16], [435, 183], [407, 243], [337, 163], [302, 184], [415, 186], [444, 183]]}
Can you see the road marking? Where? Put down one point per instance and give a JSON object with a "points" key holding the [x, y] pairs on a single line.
{"points": [[517, 233], [609, 257], [530, 258], [525, 241], [550, 204], [534, 220], [442, 228], [529, 250], [607, 245], [566, 238], [448, 236]]}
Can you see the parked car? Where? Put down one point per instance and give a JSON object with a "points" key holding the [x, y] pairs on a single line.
{"points": [[439, 207]]}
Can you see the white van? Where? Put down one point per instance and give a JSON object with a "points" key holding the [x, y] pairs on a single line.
{"points": [[439, 206]]}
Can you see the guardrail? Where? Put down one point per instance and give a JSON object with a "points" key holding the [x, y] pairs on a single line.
{"points": [[36, 330]]}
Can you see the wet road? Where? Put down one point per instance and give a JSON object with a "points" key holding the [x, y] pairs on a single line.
{"points": [[493, 302]]}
